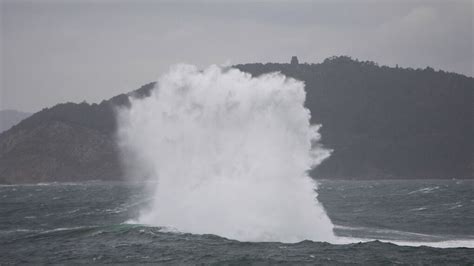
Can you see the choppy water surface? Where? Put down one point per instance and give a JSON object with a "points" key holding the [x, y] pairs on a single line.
{"points": [[430, 222]]}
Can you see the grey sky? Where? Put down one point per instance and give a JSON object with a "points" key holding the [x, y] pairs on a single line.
{"points": [[58, 51]]}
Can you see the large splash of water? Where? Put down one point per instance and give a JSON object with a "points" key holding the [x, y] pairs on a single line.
{"points": [[230, 154]]}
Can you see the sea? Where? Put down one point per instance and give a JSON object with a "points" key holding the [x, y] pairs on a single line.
{"points": [[389, 222]]}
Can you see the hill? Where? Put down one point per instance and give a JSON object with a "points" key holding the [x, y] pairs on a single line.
{"points": [[8, 118], [387, 122], [68, 142], [382, 122]]}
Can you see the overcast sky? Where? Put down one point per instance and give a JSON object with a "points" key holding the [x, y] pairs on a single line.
{"points": [[71, 50]]}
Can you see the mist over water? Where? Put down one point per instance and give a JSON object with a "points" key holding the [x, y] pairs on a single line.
{"points": [[229, 154]]}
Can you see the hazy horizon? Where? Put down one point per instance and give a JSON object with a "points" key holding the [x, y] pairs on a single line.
{"points": [[54, 52]]}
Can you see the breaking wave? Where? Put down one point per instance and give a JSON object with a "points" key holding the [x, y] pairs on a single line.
{"points": [[229, 153]]}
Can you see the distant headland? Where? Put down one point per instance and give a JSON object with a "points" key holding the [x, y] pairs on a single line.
{"points": [[382, 123]]}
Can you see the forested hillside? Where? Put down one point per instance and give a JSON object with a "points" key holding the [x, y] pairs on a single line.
{"points": [[382, 122], [68, 142], [387, 122]]}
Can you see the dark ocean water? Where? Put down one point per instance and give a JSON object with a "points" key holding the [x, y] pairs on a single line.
{"points": [[418, 222]]}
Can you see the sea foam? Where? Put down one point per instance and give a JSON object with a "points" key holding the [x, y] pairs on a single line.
{"points": [[229, 153]]}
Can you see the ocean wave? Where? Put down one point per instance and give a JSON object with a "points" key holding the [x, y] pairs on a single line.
{"points": [[431, 240], [384, 231], [418, 209], [18, 230], [452, 206], [424, 190], [455, 243]]}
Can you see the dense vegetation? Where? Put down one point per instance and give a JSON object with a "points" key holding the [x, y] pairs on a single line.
{"points": [[387, 122], [68, 142], [96, 116], [381, 122]]}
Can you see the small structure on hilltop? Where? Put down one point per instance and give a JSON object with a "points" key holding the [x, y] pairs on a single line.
{"points": [[294, 60]]}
